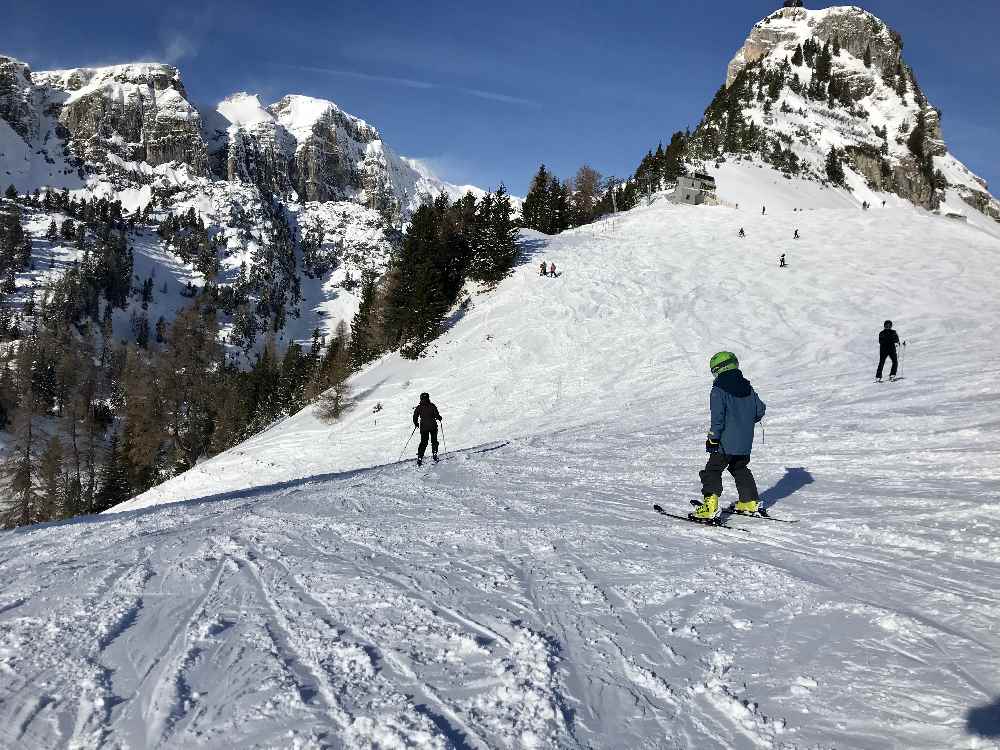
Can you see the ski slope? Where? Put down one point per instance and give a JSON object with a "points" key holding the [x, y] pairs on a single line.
{"points": [[306, 590]]}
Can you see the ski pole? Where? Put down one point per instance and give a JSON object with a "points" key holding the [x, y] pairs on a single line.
{"points": [[444, 443], [406, 444]]}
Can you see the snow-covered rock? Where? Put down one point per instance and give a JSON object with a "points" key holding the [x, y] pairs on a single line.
{"points": [[873, 113], [137, 112]]}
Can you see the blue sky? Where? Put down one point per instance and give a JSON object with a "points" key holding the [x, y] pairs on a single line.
{"points": [[487, 91]]}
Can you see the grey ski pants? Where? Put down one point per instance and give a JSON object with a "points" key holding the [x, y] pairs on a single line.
{"points": [[711, 476]]}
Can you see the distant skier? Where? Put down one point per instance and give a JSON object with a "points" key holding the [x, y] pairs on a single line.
{"points": [[781, 261], [883, 204], [742, 234], [736, 408], [888, 339], [794, 237], [552, 270], [763, 210], [426, 416], [542, 271]]}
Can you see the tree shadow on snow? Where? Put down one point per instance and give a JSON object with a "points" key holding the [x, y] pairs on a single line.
{"points": [[345, 480], [529, 249], [984, 721], [796, 477]]}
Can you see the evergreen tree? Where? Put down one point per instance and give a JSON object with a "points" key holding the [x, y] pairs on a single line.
{"points": [[834, 167], [366, 327], [824, 63], [836, 45], [901, 84], [559, 214], [11, 193], [868, 56], [493, 238], [915, 141], [114, 483], [797, 58], [534, 210]]}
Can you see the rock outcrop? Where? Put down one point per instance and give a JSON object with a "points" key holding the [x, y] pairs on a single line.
{"points": [[138, 113], [806, 83], [856, 30], [16, 105]]}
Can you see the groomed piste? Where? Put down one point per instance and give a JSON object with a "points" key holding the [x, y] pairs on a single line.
{"points": [[307, 590]]}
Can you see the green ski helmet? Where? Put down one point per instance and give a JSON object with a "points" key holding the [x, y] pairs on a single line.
{"points": [[723, 362]]}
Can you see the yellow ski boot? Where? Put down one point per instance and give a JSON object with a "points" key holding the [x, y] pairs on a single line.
{"points": [[708, 511], [747, 508]]}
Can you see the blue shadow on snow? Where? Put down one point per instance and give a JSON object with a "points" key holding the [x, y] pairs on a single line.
{"points": [[796, 477], [251, 494], [984, 721]]}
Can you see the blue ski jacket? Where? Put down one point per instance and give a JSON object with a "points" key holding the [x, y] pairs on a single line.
{"points": [[736, 408]]}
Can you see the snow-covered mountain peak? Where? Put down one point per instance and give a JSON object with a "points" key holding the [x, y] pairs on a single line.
{"points": [[855, 28], [243, 109], [827, 94], [83, 81], [301, 115]]}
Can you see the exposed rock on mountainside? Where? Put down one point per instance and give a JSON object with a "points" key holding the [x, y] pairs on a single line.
{"points": [[16, 106], [813, 89], [139, 113]]}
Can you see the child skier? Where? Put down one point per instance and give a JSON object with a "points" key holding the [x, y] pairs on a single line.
{"points": [[552, 270], [736, 408], [542, 271]]}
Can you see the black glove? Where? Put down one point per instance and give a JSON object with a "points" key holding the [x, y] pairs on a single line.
{"points": [[711, 446]]}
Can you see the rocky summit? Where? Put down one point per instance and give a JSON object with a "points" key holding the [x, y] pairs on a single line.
{"points": [[816, 91]]}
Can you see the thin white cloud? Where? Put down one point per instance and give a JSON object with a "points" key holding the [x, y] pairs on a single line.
{"points": [[409, 82], [495, 97], [412, 83], [178, 46]]}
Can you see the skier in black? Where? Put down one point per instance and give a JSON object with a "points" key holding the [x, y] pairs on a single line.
{"points": [[426, 416], [542, 271], [781, 261], [742, 233], [796, 235], [888, 339]]}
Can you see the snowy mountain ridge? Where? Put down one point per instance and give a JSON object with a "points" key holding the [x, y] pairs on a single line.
{"points": [[130, 133]]}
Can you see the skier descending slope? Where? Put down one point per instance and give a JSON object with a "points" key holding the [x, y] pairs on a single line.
{"points": [[736, 408], [888, 339], [426, 416]]}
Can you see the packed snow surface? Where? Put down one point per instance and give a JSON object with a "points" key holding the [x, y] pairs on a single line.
{"points": [[307, 590]]}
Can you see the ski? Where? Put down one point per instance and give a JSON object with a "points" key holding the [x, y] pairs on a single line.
{"points": [[718, 523], [730, 512]]}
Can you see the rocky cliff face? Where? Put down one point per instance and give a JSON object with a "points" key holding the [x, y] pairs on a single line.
{"points": [[308, 149], [16, 101], [138, 113], [810, 83], [288, 206]]}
